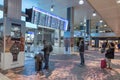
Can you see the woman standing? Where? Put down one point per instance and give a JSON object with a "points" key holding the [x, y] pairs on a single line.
{"points": [[110, 54]]}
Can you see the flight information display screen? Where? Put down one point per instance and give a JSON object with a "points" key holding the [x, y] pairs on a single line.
{"points": [[44, 18]]}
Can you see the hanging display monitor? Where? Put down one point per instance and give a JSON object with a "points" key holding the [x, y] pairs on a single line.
{"points": [[44, 18]]}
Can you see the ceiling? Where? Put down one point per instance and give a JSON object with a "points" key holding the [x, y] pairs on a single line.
{"points": [[109, 11], [105, 8], [81, 12]]}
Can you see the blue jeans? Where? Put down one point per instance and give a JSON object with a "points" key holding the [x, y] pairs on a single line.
{"points": [[46, 60], [82, 58]]}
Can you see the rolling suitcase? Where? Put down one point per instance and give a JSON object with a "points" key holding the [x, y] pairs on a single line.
{"points": [[103, 63]]}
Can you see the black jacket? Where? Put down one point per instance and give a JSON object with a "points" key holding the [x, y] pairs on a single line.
{"points": [[81, 47], [110, 52]]}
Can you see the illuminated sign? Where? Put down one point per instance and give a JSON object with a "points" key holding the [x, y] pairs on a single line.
{"points": [[40, 17]]}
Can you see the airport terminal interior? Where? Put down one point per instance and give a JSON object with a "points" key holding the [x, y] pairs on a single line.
{"points": [[82, 34]]}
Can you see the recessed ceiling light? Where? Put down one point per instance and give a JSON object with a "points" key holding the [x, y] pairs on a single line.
{"points": [[105, 25], [52, 8], [101, 21], [94, 14], [81, 2], [81, 23]]}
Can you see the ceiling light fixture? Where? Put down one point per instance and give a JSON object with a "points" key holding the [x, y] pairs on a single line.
{"points": [[94, 13], [52, 8], [118, 1], [101, 21], [81, 2], [105, 25]]}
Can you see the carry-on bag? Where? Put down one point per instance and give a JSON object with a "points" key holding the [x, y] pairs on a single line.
{"points": [[103, 63]]}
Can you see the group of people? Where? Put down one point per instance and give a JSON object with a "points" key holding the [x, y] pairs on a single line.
{"points": [[40, 58], [108, 47]]}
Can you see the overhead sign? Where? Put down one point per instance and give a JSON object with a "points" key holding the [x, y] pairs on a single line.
{"points": [[40, 17]]}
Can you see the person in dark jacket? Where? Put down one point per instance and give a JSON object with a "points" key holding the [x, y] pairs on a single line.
{"points": [[46, 54], [81, 52], [110, 54]]}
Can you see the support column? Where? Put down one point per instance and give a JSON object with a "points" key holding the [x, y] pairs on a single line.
{"points": [[70, 18], [12, 9], [59, 37], [88, 33], [14, 35], [96, 39]]}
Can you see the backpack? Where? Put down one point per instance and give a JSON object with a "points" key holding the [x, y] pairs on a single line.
{"points": [[50, 48]]}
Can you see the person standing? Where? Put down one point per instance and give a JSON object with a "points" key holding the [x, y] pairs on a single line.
{"points": [[46, 54], [67, 45], [110, 54], [81, 52]]}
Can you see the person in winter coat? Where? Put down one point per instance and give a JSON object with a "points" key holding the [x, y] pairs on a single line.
{"points": [[46, 50], [81, 52]]}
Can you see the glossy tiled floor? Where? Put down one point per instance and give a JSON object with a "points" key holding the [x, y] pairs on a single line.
{"points": [[65, 67]]}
